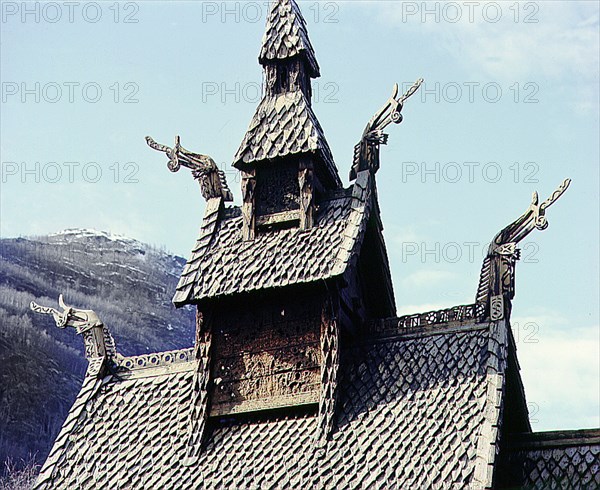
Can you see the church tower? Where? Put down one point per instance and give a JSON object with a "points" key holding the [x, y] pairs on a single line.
{"points": [[285, 161], [280, 281]]}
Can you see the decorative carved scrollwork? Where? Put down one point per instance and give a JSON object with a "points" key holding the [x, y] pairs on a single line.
{"points": [[204, 169], [460, 313], [201, 396], [277, 189], [305, 180], [266, 356], [330, 366], [366, 152], [497, 307], [498, 270], [248, 204], [157, 359]]}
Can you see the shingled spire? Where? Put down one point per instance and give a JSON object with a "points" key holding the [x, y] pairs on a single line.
{"points": [[286, 42], [285, 161]]}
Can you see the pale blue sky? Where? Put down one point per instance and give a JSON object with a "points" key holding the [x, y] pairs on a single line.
{"points": [[509, 87]]}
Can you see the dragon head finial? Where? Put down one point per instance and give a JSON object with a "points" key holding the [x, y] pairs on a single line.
{"points": [[97, 339], [81, 320], [497, 278], [366, 152], [204, 169]]}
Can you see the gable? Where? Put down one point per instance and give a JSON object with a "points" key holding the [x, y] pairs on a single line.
{"points": [[223, 263], [374, 270]]}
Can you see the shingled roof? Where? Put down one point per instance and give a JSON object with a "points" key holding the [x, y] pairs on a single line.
{"points": [[305, 385], [554, 459], [284, 125], [286, 36], [222, 263], [418, 406]]}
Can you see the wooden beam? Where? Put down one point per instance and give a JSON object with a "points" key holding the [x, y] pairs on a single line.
{"points": [[248, 206], [305, 181]]}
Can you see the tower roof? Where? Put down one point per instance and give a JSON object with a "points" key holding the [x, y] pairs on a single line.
{"points": [[285, 125], [223, 264], [286, 36]]}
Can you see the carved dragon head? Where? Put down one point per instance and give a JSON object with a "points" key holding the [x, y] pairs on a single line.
{"points": [[534, 217], [81, 320], [204, 169], [366, 152]]}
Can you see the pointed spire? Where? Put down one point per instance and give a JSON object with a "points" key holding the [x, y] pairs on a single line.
{"points": [[285, 160], [284, 124], [286, 36]]}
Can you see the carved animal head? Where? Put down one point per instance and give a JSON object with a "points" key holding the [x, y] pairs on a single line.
{"points": [[81, 320]]}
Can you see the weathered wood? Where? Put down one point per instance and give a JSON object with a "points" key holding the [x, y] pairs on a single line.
{"points": [[497, 275], [98, 341], [455, 315], [428, 399], [283, 217], [212, 180], [366, 152], [248, 203], [305, 181], [200, 386], [267, 354], [277, 188], [330, 364]]}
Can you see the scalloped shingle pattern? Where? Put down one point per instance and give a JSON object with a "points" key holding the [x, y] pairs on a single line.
{"points": [[222, 263], [410, 416], [564, 467], [286, 36], [284, 125]]}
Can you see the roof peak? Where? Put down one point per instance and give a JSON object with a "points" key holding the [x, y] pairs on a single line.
{"points": [[286, 36]]}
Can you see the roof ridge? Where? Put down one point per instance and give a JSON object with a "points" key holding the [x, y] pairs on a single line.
{"points": [[472, 325], [487, 445], [554, 439], [89, 389], [189, 276], [357, 221], [155, 363]]}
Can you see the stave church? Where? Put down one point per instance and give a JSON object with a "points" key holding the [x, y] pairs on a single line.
{"points": [[302, 375]]}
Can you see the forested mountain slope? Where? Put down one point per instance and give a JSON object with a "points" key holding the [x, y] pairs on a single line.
{"points": [[129, 284]]}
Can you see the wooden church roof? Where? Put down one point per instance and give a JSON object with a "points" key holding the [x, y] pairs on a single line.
{"points": [[422, 407], [419, 407], [423, 401], [222, 263], [284, 125]]}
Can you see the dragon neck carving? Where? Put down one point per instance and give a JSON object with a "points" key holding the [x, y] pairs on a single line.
{"points": [[97, 338], [497, 279], [204, 169], [366, 152]]}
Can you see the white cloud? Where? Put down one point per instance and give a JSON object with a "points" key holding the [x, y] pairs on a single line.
{"points": [[560, 366], [562, 45]]}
